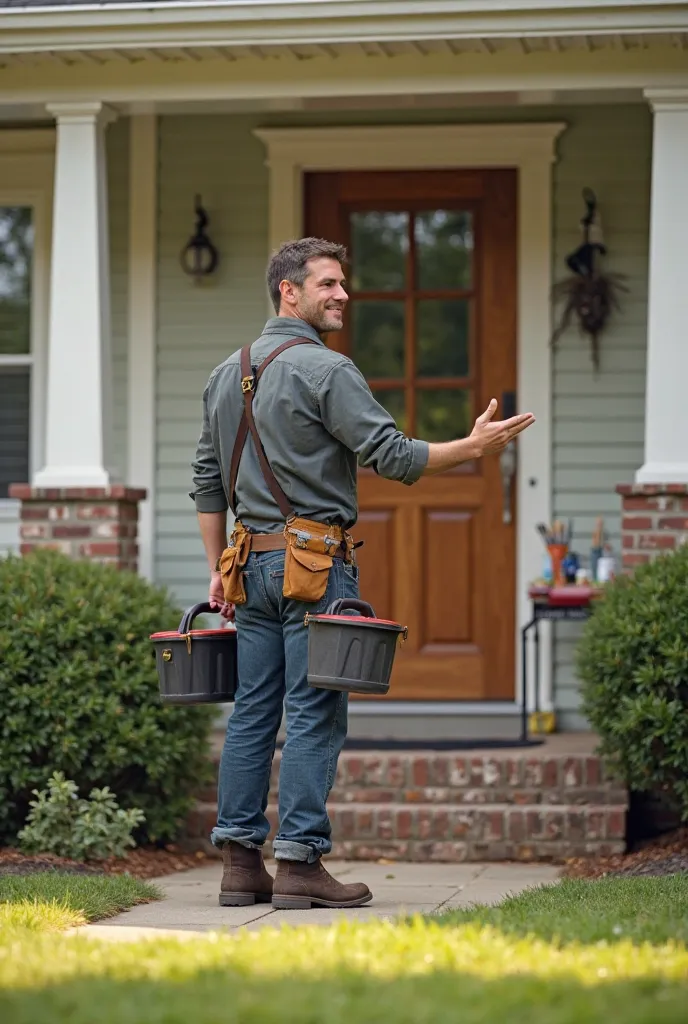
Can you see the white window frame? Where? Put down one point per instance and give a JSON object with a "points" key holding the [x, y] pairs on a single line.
{"points": [[26, 179]]}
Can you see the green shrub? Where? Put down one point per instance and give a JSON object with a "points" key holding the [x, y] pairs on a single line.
{"points": [[79, 693], [633, 663], [94, 829]]}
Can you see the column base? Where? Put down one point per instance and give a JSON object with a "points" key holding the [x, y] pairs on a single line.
{"points": [[665, 472], [654, 521], [95, 523], [70, 477]]}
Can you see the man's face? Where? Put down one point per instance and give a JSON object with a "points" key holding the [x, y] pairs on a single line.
{"points": [[321, 300]]}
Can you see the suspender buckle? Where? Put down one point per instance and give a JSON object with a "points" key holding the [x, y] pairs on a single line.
{"points": [[247, 384]]}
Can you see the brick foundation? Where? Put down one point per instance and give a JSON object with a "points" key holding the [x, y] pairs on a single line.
{"points": [[655, 520], [97, 523]]}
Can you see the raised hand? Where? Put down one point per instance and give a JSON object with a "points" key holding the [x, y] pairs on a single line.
{"points": [[492, 436]]}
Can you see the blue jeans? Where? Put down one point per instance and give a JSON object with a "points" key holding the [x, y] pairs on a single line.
{"points": [[273, 661]]}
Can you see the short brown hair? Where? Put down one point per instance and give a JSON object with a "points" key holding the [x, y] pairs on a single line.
{"points": [[290, 262]]}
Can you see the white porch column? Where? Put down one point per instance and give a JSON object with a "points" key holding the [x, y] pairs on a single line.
{"points": [[666, 408], [79, 413]]}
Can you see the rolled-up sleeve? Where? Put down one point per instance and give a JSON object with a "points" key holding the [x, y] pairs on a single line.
{"points": [[208, 493], [350, 413]]}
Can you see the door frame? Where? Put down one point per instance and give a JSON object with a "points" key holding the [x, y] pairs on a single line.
{"points": [[531, 150]]}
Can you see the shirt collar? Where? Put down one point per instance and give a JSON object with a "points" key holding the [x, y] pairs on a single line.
{"points": [[292, 325]]}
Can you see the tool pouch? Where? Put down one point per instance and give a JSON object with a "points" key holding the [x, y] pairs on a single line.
{"points": [[232, 562], [308, 558]]}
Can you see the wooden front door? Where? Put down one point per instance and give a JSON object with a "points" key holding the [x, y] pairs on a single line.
{"points": [[431, 323]]}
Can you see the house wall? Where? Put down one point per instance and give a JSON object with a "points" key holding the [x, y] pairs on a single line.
{"points": [[598, 420], [200, 324]]}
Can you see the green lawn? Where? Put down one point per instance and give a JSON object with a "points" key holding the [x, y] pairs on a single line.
{"points": [[576, 953], [639, 909], [52, 901]]}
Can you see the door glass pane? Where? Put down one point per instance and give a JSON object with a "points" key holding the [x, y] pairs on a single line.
{"points": [[442, 338], [14, 426], [444, 248], [395, 404], [442, 415], [377, 332], [379, 244], [16, 246]]}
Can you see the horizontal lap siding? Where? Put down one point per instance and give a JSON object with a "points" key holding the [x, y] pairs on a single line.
{"points": [[199, 325], [598, 421]]}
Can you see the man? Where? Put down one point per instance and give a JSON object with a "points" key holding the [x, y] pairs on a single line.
{"points": [[316, 418]]}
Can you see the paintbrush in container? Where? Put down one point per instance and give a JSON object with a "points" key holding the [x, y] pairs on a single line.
{"points": [[597, 547]]}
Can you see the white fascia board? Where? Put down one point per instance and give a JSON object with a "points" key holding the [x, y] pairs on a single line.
{"points": [[278, 22]]}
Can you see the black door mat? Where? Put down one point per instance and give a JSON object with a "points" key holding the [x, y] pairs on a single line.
{"points": [[433, 744]]}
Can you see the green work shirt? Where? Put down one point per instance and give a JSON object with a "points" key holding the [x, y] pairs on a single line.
{"points": [[316, 417]]}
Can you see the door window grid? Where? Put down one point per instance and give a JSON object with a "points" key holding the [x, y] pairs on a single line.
{"points": [[412, 285]]}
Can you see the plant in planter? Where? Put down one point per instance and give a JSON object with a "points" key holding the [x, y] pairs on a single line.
{"points": [[590, 295], [633, 664]]}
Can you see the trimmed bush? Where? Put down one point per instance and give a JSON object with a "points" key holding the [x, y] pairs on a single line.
{"points": [[79, 693], [633, 663]]}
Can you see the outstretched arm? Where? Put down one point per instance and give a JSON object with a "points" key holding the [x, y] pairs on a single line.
{"points": [[353, 415], [488, 437]]}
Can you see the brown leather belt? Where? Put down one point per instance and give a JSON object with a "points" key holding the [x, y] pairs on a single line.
{"points": [[278, 542]]}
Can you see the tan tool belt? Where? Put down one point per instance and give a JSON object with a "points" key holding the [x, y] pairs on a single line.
{"points": [[310, 549]]}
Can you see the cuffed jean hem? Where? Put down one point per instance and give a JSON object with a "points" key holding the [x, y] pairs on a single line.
{"points": [[285, 849], [220, 836]]}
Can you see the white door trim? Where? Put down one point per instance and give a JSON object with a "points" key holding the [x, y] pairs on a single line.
{"points": [[142, 308], [531, 149]]}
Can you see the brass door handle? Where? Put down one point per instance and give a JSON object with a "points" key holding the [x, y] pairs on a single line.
{"points": [[507, 466]]}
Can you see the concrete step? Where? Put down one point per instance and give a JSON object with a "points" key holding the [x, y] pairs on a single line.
{"points": [[393, 720]]}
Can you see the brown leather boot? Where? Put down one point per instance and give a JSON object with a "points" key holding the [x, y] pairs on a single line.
{"points": [[245, 880], [301, 886]]}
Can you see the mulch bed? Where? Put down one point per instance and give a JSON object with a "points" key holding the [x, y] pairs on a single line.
{"points": [[146, 862], [667, 855]]}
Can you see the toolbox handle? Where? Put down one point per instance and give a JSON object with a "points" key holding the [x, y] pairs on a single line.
{"points": [[190, 614], [351, 604]]}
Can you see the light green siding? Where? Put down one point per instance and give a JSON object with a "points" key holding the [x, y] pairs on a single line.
{"points": [[200, 324], [118, 211], [598, 421]]}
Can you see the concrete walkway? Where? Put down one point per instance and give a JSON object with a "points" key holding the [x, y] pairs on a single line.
{"points": [[191, 904]]}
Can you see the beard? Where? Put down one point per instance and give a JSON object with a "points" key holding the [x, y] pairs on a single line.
{"points": [[322, 319]]}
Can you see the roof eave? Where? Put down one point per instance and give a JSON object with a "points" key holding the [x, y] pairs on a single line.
{"points": [[276, 22]]}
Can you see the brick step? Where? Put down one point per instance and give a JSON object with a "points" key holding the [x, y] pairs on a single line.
{"points": [[447, 832], [541, 803], [438, 777]]}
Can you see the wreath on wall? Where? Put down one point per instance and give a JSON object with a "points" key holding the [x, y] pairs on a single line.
{"points": [[590, 295]]}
